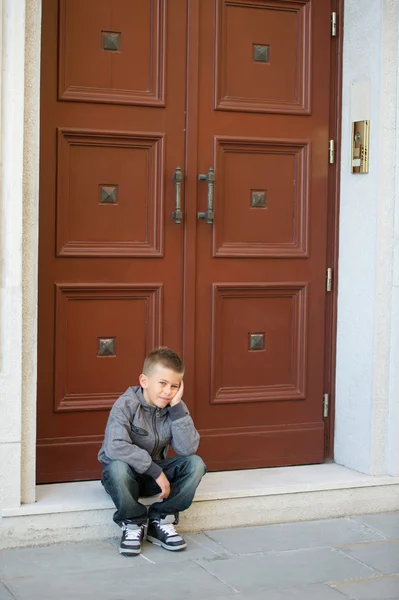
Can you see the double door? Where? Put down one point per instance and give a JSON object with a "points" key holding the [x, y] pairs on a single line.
{"points": [[183, 202]]}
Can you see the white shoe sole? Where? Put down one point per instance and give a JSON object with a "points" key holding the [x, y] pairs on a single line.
{"points": [[129, 551], [159, 543]]}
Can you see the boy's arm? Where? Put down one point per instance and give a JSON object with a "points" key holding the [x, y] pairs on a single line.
{"points": [[185, 437], [118, 444]]}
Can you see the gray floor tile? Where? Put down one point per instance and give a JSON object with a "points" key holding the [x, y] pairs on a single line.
{"points": [[318, 591], [382, 556], [150, 582], [292, 536], [305, 592], [381, 588], [203, 540], [60, 558], [287, 569], [4, 593], [385, 523]]}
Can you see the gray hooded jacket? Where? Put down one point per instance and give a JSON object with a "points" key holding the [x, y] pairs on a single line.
{"points": [[140, 434]]}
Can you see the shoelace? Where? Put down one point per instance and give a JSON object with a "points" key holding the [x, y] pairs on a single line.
{"points": [[168, 529], [133, 534]]}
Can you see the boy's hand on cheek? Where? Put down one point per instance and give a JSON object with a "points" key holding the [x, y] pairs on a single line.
{"points": [[179, 395]]}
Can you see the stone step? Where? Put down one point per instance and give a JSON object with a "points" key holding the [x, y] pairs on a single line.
{"points": [[83, 511]]}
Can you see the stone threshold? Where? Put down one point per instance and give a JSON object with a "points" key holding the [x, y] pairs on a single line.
{"points": [[90, 495], [82, 510]]}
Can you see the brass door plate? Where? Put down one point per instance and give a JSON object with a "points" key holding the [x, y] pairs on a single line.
{"points": [[360, 146]]}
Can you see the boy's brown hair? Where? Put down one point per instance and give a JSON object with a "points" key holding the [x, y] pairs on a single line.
{"points": [[165, 357]]}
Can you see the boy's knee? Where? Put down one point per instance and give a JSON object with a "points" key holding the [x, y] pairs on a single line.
{"points": [[119, 470], [197, 465]]}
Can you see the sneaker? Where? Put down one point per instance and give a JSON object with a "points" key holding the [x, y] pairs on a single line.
{"points": [[132, 536], [162, 533]]}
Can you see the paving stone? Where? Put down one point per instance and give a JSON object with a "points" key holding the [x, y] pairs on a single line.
{"points": [[150, 582], [385, 523], [305, 592], [382, 556], [4, 593], [60, 558], [380, 588], [286, 569], [292, 536]]}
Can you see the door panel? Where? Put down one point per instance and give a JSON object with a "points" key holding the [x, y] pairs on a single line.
{"points": [[111, 257], [115, 219], [252, 220], [112, 51], [263, 61], [263, 127]]}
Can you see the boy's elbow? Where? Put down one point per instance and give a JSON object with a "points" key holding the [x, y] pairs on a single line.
{"points": [[192, 449], [186, 445], [195, 447], [186, 450]]}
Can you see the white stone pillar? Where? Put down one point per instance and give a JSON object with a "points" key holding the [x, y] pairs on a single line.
{"points": [[366, 398], [12, 136], [393, 420], [19, 135]]}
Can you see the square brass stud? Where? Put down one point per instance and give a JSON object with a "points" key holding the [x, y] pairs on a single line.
{"points": [[111, 41], [108, 194], [261, 53], [256, 341], [258, 199], [106, 346]]}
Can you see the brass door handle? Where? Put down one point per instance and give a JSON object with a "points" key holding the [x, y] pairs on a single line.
{"points": [[177, 214], [209, 215]]}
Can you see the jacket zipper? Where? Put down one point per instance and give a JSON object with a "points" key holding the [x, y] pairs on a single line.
{"points": [[154, 416]]}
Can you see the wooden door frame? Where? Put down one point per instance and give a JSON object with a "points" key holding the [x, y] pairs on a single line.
{"points": [[330, 358], [192, 101]]}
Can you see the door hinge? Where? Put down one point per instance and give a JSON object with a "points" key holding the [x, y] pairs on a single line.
{"points": [[331, 152], [329, 280], [334, 24], [325, 406]]}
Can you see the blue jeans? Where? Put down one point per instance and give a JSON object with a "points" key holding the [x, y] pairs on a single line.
{"points": [[125, 486]]}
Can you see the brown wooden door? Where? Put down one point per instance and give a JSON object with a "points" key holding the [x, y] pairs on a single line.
{"points": [[111, 257], [130, 90], [263, 116]]}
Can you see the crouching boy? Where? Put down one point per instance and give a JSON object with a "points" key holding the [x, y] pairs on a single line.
{"points": [[142, 423]]}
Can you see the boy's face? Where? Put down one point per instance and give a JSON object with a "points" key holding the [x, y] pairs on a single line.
{"points": [[160, 386]]}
